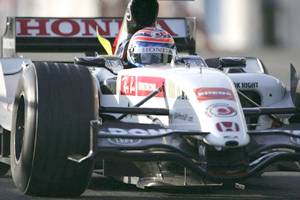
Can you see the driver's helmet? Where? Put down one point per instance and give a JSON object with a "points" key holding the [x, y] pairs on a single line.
{"points": [[150, 46]]}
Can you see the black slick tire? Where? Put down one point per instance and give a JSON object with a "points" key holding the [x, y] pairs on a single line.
{"points": [[4, 168], [53, 107]]}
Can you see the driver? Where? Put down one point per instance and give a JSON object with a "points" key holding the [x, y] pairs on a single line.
{"points": [[149, 46]]}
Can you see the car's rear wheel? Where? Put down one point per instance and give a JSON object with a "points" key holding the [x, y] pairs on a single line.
{"points": [[53, 107]]}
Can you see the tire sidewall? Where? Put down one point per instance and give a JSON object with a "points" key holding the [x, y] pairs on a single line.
{"points": [[21, 168]]}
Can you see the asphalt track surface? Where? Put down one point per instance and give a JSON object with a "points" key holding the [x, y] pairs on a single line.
{"points": [[272, 185]]}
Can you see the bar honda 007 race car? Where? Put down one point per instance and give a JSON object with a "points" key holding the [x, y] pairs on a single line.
{"points": [[192, 122]]}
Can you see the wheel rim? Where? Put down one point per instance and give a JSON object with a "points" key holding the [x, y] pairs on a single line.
{"points": [[19, 128]]}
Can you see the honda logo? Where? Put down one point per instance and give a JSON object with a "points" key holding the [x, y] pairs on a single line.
{"points": [[228, 127]]}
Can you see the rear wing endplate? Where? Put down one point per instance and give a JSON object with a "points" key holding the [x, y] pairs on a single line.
{"points": [[32, 34]]}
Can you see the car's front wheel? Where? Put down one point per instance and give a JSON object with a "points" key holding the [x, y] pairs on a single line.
{"points": [[53, 107]]}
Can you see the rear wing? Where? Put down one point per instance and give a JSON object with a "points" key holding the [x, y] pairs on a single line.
{"points": [[32, 34]]}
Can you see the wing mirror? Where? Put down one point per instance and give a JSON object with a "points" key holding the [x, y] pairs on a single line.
{"points": [[226, 62], [232, 62], [111, 63]]}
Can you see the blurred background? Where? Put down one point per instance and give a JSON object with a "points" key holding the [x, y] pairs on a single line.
{"points": [[268, 29]]}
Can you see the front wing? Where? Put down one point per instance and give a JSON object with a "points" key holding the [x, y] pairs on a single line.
{"points": [[150, 142]]}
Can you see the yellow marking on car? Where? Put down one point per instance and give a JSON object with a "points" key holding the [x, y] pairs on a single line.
{"points": [[105, 43]]}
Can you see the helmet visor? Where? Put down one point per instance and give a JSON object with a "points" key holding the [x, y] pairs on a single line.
{"points": [[154, 58], [153, 54]]}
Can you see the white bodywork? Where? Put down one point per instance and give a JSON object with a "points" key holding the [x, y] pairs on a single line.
{"points": [[187, 96], [10, 71], [190, 94], [199, 98]]}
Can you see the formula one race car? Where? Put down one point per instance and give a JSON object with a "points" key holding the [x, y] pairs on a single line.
{"points": [[191, 122]]}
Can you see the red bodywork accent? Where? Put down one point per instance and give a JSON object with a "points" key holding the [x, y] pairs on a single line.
{"points": [[141, 85]]}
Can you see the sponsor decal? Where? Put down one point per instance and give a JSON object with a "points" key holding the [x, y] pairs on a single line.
{"points": [[246, 85], [86, 27], [220, 110], [183, 117], [204, 94], [228, 127], [155, 50], [136, 132], [128, 85], [141, 85], [146, 85], [124, 141]]}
